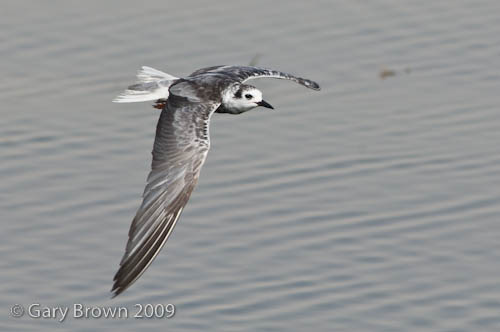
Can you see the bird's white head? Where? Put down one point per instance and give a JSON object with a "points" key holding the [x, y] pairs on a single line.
{"points": [[241, 98]]}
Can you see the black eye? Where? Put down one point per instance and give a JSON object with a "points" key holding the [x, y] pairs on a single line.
{"points": [[248, 96]]}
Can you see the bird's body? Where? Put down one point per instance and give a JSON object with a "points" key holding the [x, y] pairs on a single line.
{"points": [[181, 145]]}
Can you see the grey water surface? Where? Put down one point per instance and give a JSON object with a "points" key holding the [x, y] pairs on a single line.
{"points": [[372, 205]]}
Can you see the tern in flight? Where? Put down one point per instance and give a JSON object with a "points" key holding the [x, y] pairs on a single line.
{"points": [[181, 145]]}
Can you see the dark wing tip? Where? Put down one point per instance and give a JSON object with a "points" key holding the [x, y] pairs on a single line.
{"points": [[311, 85], [115, 292], [118, 287]]}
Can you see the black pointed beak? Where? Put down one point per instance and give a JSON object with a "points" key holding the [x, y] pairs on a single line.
{"points": [[265, 104]]}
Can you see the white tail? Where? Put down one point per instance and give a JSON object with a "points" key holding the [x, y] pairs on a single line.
{"points": [[152, 84]]}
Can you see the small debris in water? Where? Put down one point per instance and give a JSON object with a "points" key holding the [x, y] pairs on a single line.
{"points": [[386, 72]]}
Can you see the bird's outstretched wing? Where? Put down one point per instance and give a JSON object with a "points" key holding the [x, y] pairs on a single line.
{"points": [[245, 73], [181, 145]]}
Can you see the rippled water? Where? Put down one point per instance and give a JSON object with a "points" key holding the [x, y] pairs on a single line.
{"points": [[373, 205]]}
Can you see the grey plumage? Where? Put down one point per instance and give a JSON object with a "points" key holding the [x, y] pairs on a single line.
{"points": [[181, 145], [241, 74]]}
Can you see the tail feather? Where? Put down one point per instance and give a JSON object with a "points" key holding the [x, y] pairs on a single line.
{"points": [[147, 74], [152, 85]]}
